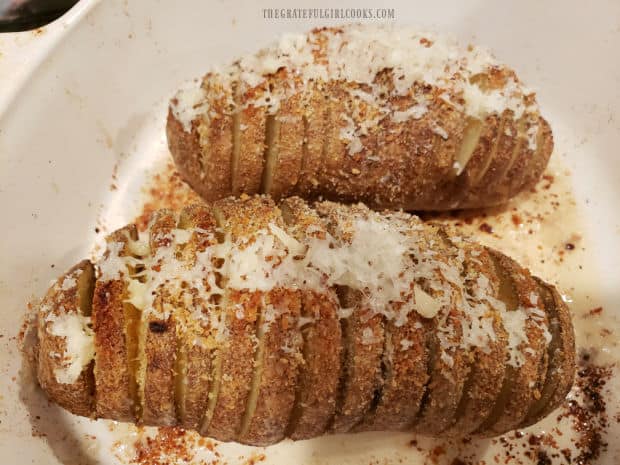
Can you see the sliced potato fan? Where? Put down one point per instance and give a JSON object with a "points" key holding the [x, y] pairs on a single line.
{"points": [[389, 116], [250, 321]]}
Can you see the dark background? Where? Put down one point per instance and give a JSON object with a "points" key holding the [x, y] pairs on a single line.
{"points": [[22, 15]]}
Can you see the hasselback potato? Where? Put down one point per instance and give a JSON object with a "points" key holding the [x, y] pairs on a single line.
{"points": [[384, 115], [250, 321]]}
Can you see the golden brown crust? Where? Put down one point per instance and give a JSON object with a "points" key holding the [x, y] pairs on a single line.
{"points": [[197, 379], [276, 368], [409, 166], [351, 141], [363, 338], [405, 370], [406, 374], [561, 366], [331, 175], [278, 354], [449, 363], [315, 120], [195, 342], [114, 379], [540, 158], [522, 159], [79, 396], [186, 152], [250, 143], [488, 365], [284, 366], [288, 143], [160, 349], [203, 154], [522, 386], [159, 352], [362, 332], [216, 137], [240, 218], [319, 374], [346, 172], [237, 366]]}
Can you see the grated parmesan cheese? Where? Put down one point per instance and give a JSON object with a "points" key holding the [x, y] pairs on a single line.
{"points": [[68, 283], [405, 344], [189, 103], [385, 271], [441, 132], [531, 135], [369, 337], [515, 325], [357, 54], [415, 112]]}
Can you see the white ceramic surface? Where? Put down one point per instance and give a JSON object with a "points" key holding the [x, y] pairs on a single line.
{"points": [[87, 94]]}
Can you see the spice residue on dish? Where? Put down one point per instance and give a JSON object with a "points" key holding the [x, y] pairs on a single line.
{"points": [[164, 446]]}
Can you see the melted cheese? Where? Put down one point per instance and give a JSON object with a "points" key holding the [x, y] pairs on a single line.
{"points": [[79, 347], [113, 265]]}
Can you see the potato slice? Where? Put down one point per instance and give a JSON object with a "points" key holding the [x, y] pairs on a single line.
{"points": [[114, 325], [417, 146], [60, 315], [448, 362], [242, 310], [249, 142], [522, 384], [284, 159], [215, 132], [363, 336], [405, 365], [489, 186], [316, 117], [469, 172], [277, 359], [487, 362], [539, 159], [319, 376], [362, 333], [561, 366], [278, 352], [197, 330], [405, 375], [157, 344], [242, 390]]}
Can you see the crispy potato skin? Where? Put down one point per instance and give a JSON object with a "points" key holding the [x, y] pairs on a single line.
{"points": [[324, 361], [79, 396], [413, 169], [114, 380], [522, 386], [441, 160]]}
